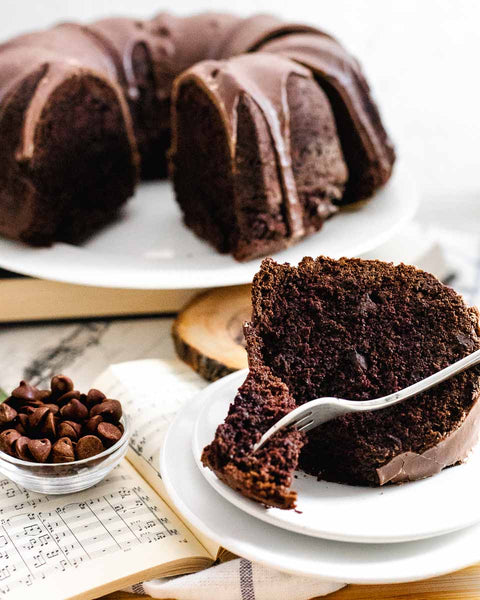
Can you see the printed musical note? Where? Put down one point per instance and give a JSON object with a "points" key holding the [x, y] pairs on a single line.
{"points": [[38, 560], [32, 530]]}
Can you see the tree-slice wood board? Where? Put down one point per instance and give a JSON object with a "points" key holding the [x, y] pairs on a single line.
{"points": [[208, 333]]}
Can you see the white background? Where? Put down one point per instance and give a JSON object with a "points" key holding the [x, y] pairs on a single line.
{"points": [[421, 57]]}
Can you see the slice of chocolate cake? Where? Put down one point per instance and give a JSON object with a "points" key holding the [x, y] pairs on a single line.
{"points": [[267, 475], [256, 161], [359, 330]]}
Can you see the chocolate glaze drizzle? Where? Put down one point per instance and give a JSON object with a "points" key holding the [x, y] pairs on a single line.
{"points": [[264, 78], [329, 60]]}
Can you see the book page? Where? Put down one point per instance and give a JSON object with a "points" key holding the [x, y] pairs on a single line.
{"points": [[87, 544], [152, 391]]}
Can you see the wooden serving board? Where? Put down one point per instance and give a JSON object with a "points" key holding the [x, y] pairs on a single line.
{"points": [[462, 585]]}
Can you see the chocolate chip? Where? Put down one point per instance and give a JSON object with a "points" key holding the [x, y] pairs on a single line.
{"points": [[26, 409], [53, 408], [74, 411], [109, 433], [60, 385], [49, 426], [40, 449], [361, 360], [21, 429], [7, 413], [465, 341], [109, 409], [21, 448], [92, 423], [366, 305], [37, 400], [62, 451], [13, 402], [25, 391], [94, 397], [22, 424], [37, 416], [87, 446], [357, 359], [65, 398], [7, 440], [69, 429]]}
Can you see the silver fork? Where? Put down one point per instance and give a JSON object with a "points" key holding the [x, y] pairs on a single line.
{"points": [[318, 411]]}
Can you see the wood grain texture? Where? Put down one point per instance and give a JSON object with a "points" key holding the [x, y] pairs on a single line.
{"points": [[208, 333], [462, 585]]}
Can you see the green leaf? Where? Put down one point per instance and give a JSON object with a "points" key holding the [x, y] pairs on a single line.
{"points": [[3, 395]]}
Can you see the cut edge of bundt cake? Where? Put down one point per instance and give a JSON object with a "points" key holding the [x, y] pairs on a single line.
{"points": [[69, 144]]}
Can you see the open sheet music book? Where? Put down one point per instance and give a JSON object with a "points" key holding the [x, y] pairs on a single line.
{"points": [[121, 531]]}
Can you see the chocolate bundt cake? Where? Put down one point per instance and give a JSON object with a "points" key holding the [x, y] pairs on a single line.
{"points": [[85, 109], [359, 330]]}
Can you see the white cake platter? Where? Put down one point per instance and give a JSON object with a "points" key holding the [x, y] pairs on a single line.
{"points": [[150, 248]]}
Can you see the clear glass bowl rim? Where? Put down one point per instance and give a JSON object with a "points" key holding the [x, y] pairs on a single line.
{"points": [[84, 462]]}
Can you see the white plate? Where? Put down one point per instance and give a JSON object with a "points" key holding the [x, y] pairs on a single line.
{"points": [[150, 248], [286, 551], [412, 511]]}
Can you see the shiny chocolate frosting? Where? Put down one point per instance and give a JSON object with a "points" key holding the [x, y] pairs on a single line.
{"points": [[66, 42], [19, 61], [329, 61], [248, 34], [453, 449]]}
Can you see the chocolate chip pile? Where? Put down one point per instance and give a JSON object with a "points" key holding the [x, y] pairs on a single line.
{"points": [[58, 425]]}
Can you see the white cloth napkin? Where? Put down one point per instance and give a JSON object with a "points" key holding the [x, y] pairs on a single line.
{"points": [[237, 579]]}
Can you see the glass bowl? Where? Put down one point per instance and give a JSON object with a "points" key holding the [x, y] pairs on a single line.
{"points": [[65, 478]]}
